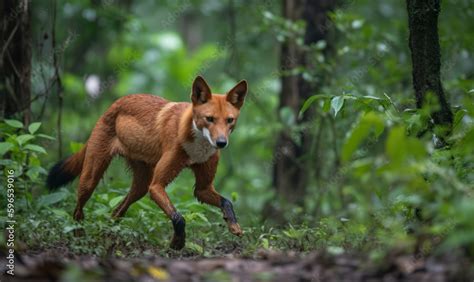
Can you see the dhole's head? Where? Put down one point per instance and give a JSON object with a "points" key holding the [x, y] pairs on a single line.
{"points": [[215, 115]]}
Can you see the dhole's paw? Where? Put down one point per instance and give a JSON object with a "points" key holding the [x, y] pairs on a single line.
{"points": [[78, 215], [235, 229], [178, 242]]}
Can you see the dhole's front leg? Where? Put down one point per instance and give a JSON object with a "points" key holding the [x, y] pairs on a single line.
{"points": [[205, 192], [167, 168], [208, 195]]}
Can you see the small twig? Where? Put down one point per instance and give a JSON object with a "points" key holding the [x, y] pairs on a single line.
{"points": [[11, 92], [334, 136], [24, 107], [8, 40], [13, 65], [317, 151], [46, 95]]}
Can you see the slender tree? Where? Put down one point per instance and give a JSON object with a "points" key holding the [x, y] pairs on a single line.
{"points": [[426, 58], [426, 72], [289, 177], [15, 59]]}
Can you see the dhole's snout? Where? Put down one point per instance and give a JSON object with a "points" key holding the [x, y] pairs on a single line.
{"points": [[221, 142]]}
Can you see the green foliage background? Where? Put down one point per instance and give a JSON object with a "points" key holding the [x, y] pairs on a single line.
{"points": [[369, 170]]}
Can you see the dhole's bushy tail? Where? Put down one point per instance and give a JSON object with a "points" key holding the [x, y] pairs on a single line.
{"points": [[66, 170]]}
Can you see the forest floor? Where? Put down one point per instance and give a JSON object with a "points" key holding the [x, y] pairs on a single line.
{"points": [[58, 265]]}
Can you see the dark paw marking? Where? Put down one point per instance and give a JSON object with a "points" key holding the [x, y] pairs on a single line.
{"points": [[228, 210], [178, 242], [179, 237], [178, 223], [78, 215]]}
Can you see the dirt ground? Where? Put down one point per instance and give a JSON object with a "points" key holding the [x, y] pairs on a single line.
{"points": [[266, 266]]}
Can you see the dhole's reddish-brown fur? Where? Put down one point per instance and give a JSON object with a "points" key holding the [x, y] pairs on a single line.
{"points": [[158, 139]]}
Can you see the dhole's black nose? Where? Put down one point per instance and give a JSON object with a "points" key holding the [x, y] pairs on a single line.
{"points": [[221, 142]]}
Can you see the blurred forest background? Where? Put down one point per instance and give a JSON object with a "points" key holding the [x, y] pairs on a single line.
{"points": [[340, 146]]}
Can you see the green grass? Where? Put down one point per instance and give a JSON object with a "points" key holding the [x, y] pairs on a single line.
{"points": [[145, 231]]}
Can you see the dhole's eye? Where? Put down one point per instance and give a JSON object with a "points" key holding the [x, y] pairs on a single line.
{"points": [[210, 119], [230, 120]]}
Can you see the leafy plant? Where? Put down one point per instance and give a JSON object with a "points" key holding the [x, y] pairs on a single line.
{"points": [[21, 151]]}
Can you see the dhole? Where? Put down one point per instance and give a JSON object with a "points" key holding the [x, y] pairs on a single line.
{"points": [[158, 139]]}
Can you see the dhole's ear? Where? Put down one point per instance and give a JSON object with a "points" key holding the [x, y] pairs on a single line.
{"points": [[236, 95], [201, 91]]}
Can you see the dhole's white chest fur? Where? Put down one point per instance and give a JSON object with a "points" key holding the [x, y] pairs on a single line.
{"points": [[201, 149]]}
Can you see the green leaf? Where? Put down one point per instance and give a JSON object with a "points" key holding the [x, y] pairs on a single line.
{"points": [[14, 123], [34, 127], [458, 117], [234, 196], [327, 105], [24, 138], [75, 146], [376, 122], [194, 247], [35, 148], [310, 101], [45, 136], [369, 122], [69, 228], [60, 213], [294, 233], [53, 198], [389, 99], [145, 206], [101, 211], [34, 172], [336, 104], [396, 144], [358, 134], [115, 201], [401, 147], [5, 147], [6, 162], [369, 97], [201, 216]]}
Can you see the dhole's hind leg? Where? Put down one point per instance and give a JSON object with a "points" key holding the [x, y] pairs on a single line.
{"points": [[142, 174], [94, 168], [97, 159]]}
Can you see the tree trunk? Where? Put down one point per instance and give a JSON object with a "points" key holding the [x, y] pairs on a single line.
{"points": [[426, 61], [15, 59], [425, 56], [289, 177]]}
